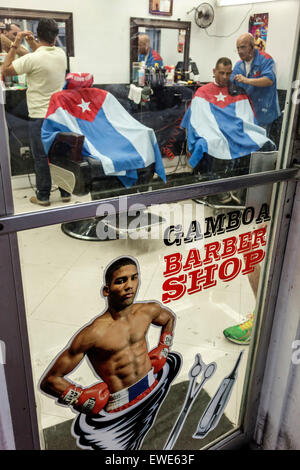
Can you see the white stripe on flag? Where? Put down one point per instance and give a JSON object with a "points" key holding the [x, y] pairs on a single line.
{"points": [[204, 122], [141, 137], [66, 119], [244, 111]]}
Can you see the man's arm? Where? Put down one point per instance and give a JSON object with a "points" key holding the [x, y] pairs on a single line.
{"points": [[259, 82], [166, 320], [267, 74], [22, 51], [90, 400], [31, 41], [7, 43], [54, 382], [7, 67]]}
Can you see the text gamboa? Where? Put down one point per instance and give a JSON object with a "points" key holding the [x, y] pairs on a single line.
{"points": [[220, 260]]}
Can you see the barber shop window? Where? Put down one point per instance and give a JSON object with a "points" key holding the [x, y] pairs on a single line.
{"points": [[185, 292], [159, 112], [186, 102]]}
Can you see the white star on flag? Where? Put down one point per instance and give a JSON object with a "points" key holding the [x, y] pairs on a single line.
{"points": [[221, 97], [84, 105]]}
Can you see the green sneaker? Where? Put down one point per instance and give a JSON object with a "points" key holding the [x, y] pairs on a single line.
{"points": [[240, 334]]}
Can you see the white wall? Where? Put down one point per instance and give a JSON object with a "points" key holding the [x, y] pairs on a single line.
{"points": [[101, 33]]}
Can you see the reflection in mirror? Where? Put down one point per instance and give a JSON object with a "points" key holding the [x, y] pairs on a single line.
{"points": [[170, 39], [165, 42], [16, 106], [12, 22], [10, 27]]}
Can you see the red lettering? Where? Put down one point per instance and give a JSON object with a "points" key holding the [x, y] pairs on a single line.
{"points": [[173, 264], [205, 276], [193, 260], [245, 242], [224, 274], [175, 288], [211, 252], [259, 236], [251, 259], [229, 247]]}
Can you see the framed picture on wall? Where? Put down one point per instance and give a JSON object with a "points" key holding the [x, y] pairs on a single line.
{"points": [[258, 27], [161, 7]]}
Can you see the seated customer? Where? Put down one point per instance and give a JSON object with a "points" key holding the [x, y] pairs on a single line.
{"points": [[115, 141], [147, 54], [221, 127], [221, 121]]}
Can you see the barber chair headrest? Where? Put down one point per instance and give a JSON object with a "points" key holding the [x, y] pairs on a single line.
{"points": [[78, 80]]}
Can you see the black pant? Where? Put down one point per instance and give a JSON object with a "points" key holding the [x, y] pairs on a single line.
{"points": [[41, 164]]}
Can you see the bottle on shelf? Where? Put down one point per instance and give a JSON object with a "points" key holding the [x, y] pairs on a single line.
{"points": [[141, 74]]}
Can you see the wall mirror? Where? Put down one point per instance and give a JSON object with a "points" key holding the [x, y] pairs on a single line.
{"points": [[16, 107], [28, 19], [171, 39]]}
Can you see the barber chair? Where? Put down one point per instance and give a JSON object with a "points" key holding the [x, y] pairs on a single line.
{"points": [[256, 162], [77, 158], [81, 175]]}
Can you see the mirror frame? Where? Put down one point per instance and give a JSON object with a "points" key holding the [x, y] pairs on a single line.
{"points": [[135, 23], [66, 17]]}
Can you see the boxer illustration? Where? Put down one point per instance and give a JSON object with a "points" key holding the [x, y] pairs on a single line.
{"points": [[117, 411]]}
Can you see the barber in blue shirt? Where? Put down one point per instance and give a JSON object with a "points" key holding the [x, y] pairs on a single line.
{"points": [[255, 73], [146, 53]]}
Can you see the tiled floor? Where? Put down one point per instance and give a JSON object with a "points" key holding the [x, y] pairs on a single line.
{"points": [[62, 277]]}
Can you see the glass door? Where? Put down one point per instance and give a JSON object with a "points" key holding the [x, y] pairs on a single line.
{"points": [[137, 316], [194, 278]]}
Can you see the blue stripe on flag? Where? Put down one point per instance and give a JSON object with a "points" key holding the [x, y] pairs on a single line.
{"points": [[49, 131], [240, 144], [110, 142], [196, 144]]}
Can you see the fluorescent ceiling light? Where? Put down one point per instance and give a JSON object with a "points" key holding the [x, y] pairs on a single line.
{"points": [[223, 3]]}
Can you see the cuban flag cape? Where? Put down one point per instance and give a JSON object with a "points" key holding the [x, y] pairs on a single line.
{"points": [[221, 125], [112, 136]]}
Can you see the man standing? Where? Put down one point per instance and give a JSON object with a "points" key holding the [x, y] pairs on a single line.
{"points": [[255, 72], [115, 345], [45, 70], [147, 54]]}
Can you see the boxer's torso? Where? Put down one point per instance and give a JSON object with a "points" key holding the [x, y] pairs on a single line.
{"points": [[120, 353]]}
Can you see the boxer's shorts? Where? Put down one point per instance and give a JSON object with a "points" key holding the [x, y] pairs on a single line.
{"points": [[129, 396]]}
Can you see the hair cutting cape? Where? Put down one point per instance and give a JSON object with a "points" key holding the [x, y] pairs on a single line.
{"points": [[112, 135], [222, 125]]}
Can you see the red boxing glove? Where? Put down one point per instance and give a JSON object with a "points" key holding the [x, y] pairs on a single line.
{"points": [[86, 400], [158, 356]]}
